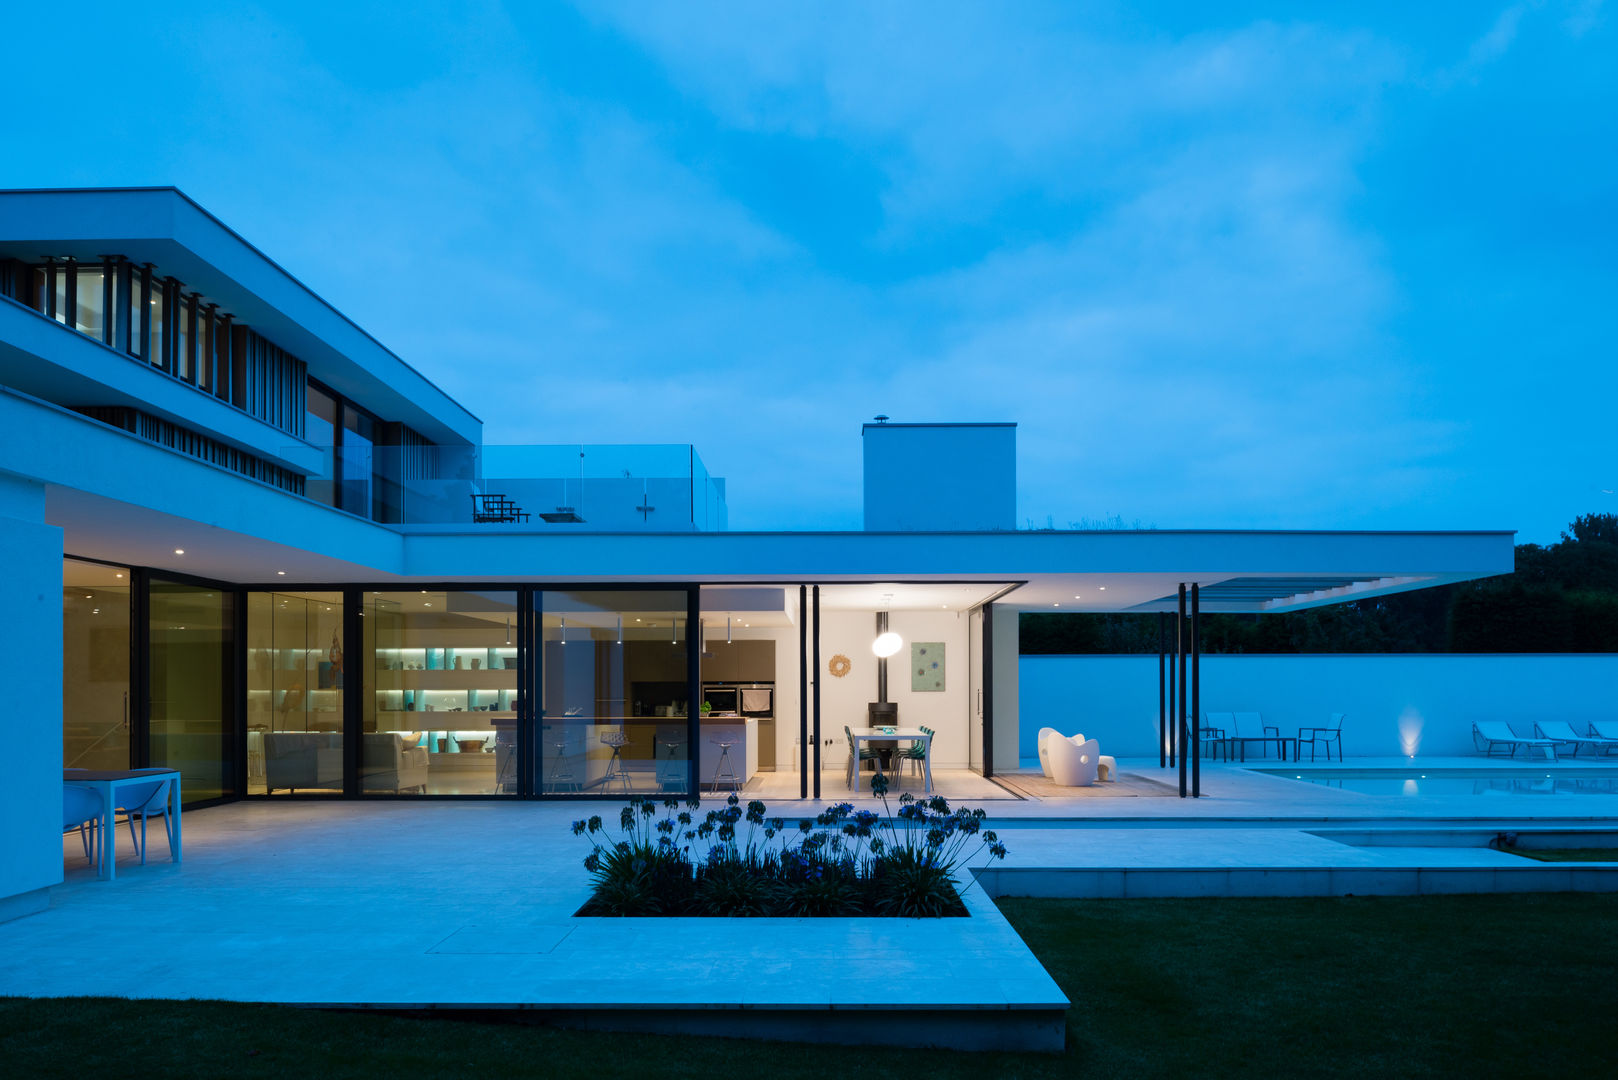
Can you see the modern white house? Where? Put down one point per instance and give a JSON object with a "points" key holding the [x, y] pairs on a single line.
{"points": [[244, 539]]}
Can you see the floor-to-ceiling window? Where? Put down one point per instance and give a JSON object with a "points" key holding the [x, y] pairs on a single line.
{"points": [[441, 706], [192, 685], [95, 666], [615, 692], [295, 659]]}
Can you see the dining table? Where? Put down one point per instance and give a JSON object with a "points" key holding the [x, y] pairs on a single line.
{"points": [[106, 783], [895, 734]]}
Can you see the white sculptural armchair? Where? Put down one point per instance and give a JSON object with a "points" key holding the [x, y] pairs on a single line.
{"points": [[1074, 764]]}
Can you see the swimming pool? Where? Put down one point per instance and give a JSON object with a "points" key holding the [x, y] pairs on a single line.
{"points": [[1459, 782]]}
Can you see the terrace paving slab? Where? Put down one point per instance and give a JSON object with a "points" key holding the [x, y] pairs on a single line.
{"points": [[470, 906]]}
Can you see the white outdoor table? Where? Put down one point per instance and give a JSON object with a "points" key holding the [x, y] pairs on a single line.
{"points": [[106, 782], [914, 735]]}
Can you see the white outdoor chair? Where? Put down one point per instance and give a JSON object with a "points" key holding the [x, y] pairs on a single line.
{"points": [[144, 801], [1074, 764], [81, 810], [1216, 728], [1250, 727], [1328, 736], [1045, 735]]}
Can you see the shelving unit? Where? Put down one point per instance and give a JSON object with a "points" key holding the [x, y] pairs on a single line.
{"points": [[418, 688]]}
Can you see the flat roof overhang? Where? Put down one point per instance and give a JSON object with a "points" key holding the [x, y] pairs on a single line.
{"points": [[122, 499]]}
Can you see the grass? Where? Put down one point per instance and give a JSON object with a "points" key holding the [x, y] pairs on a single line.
{"points": [[1577, 854], [1429, 986]]}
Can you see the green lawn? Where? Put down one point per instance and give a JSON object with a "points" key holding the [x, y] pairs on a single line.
{"points": [[1436, 986], [1577, 854]]}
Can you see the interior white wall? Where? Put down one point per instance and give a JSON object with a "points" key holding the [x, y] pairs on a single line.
{"points": [[843, 701], [30, 639], [787, 683], [1396, 704]]}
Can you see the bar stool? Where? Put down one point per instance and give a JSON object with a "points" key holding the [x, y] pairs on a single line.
{"points": [[561, 771], [723, 769], [615, 764], [670, 773]]}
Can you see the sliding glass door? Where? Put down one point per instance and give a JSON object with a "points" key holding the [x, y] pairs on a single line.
{"points": [[192, 685], [295, 693], [615, 692], [95, 666]]}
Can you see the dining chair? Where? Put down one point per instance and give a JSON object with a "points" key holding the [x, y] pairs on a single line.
{"points": [[81, 810], [144, 801], [916, 752], [855, 760]]}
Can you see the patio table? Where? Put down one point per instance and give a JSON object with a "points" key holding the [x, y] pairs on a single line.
{"points": [[914, 735], [106, 782]]}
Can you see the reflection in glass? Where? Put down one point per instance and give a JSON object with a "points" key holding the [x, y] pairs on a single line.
{"points": [[441, 716], [359, 431], [615, 692], [182, 338], [89, 316], [95, 666], [294, 692], [154, 325], [320, 429], [192, 677]]}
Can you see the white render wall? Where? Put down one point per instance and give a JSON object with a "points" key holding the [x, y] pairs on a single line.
{"points": [[31, 729], [1397, 704]]}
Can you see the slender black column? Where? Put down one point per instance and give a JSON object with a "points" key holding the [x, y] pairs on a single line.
{"points": [[1172, 648], [881, 661], [693, 676], [1162, 698], [1179, 709], [803, 691], [815, 655], [1196, 691], [354, 688]]}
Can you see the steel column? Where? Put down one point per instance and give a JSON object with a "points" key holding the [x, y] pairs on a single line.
{"points": [[1196, 691], [1162, 697], [1180, 657], [803, 691], [815, 650]]}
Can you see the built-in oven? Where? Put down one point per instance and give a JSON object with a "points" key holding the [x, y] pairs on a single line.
{"points": [[721, 699]]}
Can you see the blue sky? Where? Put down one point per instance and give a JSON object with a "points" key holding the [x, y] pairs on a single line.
{"points": [[1237, 265]]}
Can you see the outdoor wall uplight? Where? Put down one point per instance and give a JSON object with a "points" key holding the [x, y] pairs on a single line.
{"points": [[887, 644]]}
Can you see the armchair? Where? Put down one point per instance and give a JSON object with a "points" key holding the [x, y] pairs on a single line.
{"points": [[302, 759], [1074, 764], [390, 766]]}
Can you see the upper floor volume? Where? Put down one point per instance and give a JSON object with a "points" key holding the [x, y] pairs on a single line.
{"points": [[188, 336]]}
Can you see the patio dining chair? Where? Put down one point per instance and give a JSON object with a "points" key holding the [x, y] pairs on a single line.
{"points": [[145, 801], [81, 810], [1250, 727], [1217, 727], [916, 752], [1327, 736], [855, 761]]}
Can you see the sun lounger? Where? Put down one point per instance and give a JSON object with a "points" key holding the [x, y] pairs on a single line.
{"points": [[1605, 729], [1563, 733], [1489, 734]]}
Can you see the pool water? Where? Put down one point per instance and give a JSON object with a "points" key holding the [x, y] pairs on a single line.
{"points": [[1481, 782]]}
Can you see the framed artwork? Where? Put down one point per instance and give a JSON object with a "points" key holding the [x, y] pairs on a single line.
{"points": [[926, 666]]}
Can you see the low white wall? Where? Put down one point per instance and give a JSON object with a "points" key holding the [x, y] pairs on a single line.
{"points": [[1397, 704]]}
